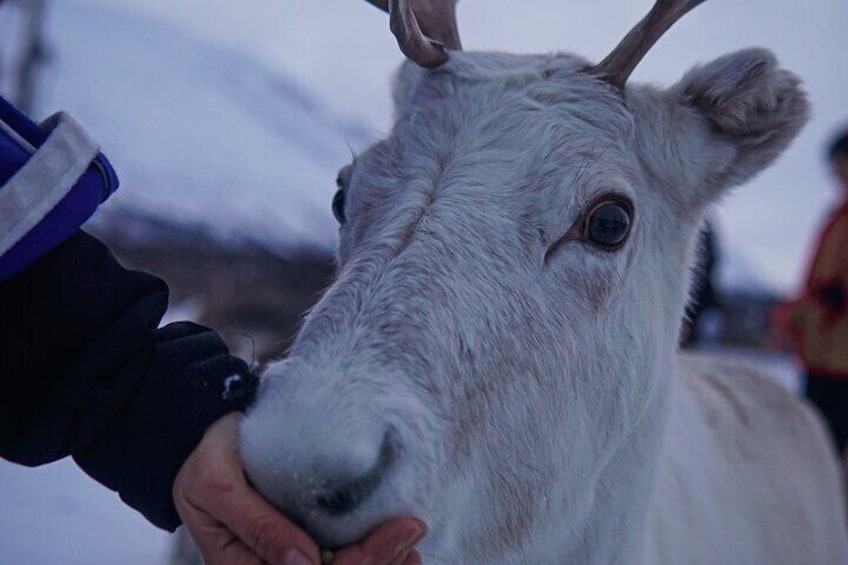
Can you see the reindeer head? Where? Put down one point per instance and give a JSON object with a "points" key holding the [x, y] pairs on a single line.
{"points": [[495, 352]]}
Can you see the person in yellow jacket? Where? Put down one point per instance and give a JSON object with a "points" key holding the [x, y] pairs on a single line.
{"points": [[819, 317]]}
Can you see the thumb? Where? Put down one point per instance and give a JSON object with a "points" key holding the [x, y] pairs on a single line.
{"points": [[216, 501]]}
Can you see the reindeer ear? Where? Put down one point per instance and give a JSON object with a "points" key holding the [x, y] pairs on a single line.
{"points": [[752, 108]]}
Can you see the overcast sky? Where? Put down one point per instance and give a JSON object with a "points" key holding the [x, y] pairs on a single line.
{"points": [[342, 51]]}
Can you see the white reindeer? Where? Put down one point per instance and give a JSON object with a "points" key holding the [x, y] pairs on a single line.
{"points": [[498, 354]]}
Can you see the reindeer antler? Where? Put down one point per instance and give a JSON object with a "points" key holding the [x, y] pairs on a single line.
{"points": [[424, 29], [618, 65]]}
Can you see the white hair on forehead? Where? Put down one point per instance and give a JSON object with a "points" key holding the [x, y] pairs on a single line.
{"points": [[520, 116], [471, 82]]}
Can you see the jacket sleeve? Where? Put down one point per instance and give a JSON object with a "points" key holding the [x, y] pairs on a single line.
{"points": [[86, 371], [52, 178]]}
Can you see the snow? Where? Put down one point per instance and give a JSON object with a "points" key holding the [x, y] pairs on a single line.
{"points": [[56, 514], [200, 134]]}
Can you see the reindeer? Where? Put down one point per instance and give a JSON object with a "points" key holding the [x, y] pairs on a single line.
{"points": [[498, 354]]}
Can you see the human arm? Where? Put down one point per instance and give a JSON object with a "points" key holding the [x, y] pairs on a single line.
{"points": [[131, 415], [85, 369], [87, 372]]}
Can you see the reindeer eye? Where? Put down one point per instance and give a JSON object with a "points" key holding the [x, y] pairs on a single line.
{"points": [[608, 225], [339, 202]]}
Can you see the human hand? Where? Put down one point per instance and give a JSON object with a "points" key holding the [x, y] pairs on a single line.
{"points": [[392, 543], [233, 525]]}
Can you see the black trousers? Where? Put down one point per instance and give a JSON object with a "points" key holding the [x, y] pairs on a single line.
{"points": [[830, 396]]}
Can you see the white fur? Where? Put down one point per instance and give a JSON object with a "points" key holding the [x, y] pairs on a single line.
{"points": [[539, 409]]}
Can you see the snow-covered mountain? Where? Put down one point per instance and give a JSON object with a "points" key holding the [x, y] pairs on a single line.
{"points": [[200, 135]]}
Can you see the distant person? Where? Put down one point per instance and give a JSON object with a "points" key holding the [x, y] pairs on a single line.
{"points": [[703, 312], [818, 319]]}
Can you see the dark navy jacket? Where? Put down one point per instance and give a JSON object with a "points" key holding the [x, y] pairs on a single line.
{"points": [[85, 369]]}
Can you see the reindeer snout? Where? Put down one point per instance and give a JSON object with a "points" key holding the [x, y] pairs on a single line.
{"points": [[347, 494], [322, 468]]}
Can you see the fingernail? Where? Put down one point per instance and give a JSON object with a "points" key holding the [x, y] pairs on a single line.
{"points": [[410, 541], [413, 559], [295, 557]]}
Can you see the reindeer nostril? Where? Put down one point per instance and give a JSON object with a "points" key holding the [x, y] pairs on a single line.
{"points": [[346, 497]]}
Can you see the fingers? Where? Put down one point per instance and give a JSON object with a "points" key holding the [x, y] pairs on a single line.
{"points": [[230, 523], [263, 540], [216, 543], [412, 558], [225, 549], [261, 527], [390, 544], [233, 525]]}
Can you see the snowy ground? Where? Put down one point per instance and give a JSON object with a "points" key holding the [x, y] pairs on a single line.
{"points": [[55, 515]]}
